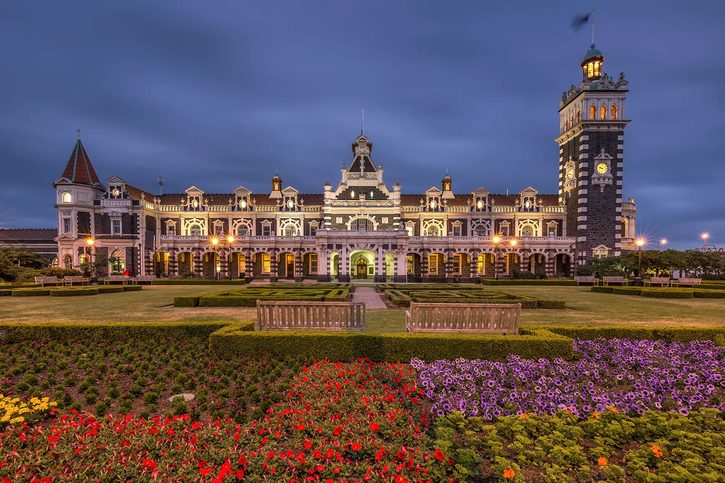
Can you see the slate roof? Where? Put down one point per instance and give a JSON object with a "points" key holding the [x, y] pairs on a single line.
{"points": [[79, 169], [28, 234]]}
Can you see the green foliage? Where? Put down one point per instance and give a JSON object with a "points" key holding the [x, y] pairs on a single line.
{"points": [[402, 294], [668, 334], [196, 281], [656, 446], [667, 293], [522, 282], [658, 263], [72, 292], [709, 294], [248, 296], [31, 292], [627, 290], [393, 347]]}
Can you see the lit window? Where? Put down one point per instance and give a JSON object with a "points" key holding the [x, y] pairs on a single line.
{"points": [[289, 230], [313, 263], [66, 197], [457, 264], [614, 112], [265, 263], [592, 112], [603, 112], [590, 69], [433, 264]]}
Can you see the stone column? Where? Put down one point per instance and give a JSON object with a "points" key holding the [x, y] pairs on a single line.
{"points": [[550, 259], [379, 265], [499, 263], [344, 271], [449, 277], [524, 259], [273, 265], [424, 265], [473, 266], [323, 265], [299, 268], [248, 265], [149, 265], [401, 267], [223, 263], [197, 266], [173, 267]]}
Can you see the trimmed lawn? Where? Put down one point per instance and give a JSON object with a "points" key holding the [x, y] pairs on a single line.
{"points": [[155, 303]]}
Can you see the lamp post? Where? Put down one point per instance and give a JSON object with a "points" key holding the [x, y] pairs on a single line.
{"points": [[661, 243], [89, 251], [514, 242], [496, 240], [705, 236], [640, 243], [217, 242]]}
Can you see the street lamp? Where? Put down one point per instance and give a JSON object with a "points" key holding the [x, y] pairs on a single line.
{"points": [[89, 251], [640, 243], [661, 243], [705, 236], [496, 241]]}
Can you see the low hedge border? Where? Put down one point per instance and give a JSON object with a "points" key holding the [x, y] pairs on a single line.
{"points": [[391, 347], [709, 294], [31, 292], [132, 288], [401, 299], [10, 332], [73, 292], [668, 334], [110, 289], [662, 292]]}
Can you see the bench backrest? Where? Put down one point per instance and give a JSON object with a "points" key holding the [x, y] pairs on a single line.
{"points": [[473, 318], [689, 281], [613, 279], [74, 278], [47, 279], [659, 280], [289, 315]]}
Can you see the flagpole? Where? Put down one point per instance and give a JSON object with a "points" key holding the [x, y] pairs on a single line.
{"points": [[593, 22]]}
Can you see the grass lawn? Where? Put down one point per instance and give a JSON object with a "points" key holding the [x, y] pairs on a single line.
{"points": [[155, 303]]}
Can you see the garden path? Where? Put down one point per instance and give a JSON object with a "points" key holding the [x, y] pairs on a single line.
{"points": [[369, 297]]}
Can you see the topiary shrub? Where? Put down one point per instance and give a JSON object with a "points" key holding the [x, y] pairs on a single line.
{"points": [[626, 290], [667, 293], [186, 301], [31, 292], [73, 292], [599, 289]]}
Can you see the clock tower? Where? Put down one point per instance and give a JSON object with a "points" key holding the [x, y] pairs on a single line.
{"points": [[591, 156]]}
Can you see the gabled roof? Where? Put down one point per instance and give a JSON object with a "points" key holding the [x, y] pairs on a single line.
{"points": [[79, 169]]}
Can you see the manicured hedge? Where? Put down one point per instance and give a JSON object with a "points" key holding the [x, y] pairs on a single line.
{"points": [[31, 292], [709, 294], [110, 288], [90, 331], [132, 288], [6, 292], [402, 296], [393, 347], [186, 301], [599, 289], [667, 293], [669, 334], [73, 292], [627, 290]]}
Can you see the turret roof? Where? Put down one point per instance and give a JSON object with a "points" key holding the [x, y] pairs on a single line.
{"points": [[79, 169]]}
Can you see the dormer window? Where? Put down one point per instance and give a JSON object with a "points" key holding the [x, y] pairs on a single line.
{"points": [[66, 197], [242, 198]]}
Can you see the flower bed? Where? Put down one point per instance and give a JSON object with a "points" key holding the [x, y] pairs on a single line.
{"points": [[630, 375], [337, 421]]}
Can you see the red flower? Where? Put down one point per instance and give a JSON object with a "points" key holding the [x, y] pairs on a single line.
{"points": [[355, 446], [196, 425], [509, 474], [337, 431], [53, 439], [439, 455], [239, 474], [149, 463], [374, 427], [308, 444]]}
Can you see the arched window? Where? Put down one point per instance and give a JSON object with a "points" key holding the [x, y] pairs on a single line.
{"points": [[290, 229], [480, 230], [592, 112], [614, 112], [68, 261], [603, 112], [195, 230], [432, 230], [527, 230], [66, 197], [242, 230]]}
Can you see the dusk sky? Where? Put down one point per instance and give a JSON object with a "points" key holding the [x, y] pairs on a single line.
{"points": [[221, 94]]}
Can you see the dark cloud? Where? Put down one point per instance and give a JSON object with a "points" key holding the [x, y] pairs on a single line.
{"points": [[224, 93]]}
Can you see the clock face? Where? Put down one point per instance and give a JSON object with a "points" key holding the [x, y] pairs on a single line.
{"points": [[602, 168], [116, 192], [570, 173]]}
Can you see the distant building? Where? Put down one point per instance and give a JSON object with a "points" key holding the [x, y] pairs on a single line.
{"points": [[37, 240], [362, 228]]}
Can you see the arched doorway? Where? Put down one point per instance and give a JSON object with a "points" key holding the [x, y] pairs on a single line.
{"points": [[334, 268], [185, 263], [237, 265], [117, 262], [286, 265], [309, 264], [412, 269], [262, 264], [362, 264], [161, 264], [389, 266], [486, 265], [537, 263], [562, 265], [512, 263], [210, 264]]}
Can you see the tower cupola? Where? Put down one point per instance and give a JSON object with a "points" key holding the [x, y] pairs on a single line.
{"points": [[592, 64]]}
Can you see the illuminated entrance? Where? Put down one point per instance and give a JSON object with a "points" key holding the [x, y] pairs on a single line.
{"points": [[362, 265]]}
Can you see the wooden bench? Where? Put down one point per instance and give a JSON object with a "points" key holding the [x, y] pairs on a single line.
{"points": [[290, 315], [688, 282], [614, 280], [467, 318], [122, 279], [144, 279], [75, 280], [661, 281], [586, 279], [43, 281]]}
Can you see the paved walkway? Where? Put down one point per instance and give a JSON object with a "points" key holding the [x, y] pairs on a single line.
{"points": [[369, 297]]}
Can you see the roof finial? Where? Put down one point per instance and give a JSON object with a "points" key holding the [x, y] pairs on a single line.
{"points": [[79, 133], [362, 123]]}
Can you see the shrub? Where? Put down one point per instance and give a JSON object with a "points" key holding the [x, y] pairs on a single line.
{"points": [[600, 289], [627, 290], [522, 282], [186, 301], [181, 281], [31, 292], [709, 294], [667, 293], [668, 334], [110, 288], [132, 288], [72, 292], [392, 347]]}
